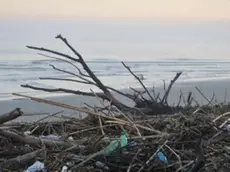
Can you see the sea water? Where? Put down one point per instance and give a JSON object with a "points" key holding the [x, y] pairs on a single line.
{"points": [[155, 50]]}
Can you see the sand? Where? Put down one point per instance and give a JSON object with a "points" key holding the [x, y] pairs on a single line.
{"points": [[35, 111]]}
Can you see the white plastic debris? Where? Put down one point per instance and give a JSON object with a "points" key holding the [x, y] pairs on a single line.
{"points": [[27, 133], [70, 138], [35, 167], [64, 169]]}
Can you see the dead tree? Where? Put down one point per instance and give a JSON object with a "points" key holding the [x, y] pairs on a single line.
{"points": [[88, 77]]}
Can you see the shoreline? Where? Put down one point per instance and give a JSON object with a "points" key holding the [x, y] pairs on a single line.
{"points": [[38, 110]]}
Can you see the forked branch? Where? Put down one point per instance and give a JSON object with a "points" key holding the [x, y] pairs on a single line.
{"points": [[165, 98], [109, 96], [128, 68]]}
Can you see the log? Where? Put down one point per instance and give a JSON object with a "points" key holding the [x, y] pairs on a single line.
{"points": [[10, 115], [31, 140], [23, 160]]}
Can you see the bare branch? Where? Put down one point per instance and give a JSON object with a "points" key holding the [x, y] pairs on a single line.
{"points": [[178, 104], [121, 93], [101, 95], [189, 99], [80, 72], [209, 101], [128, 68], [71, 73], [65, 79], [69, 62], [87, 69], [87, 82], [68, 45], [164, 85], [136, 91], [154, 94], [53, 52], [158, 97], [165, 98]]}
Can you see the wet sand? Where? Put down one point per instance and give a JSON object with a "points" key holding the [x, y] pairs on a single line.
{"points": [[35, 111]]}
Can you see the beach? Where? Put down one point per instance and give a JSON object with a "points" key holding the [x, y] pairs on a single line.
{"points": [[35, 111], [155, 56]]}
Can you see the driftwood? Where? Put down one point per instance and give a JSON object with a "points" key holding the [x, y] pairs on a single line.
{"points": [[106, 92], [33, 140], [149, 106], [191, 141], [10, 115], [23, 160]]}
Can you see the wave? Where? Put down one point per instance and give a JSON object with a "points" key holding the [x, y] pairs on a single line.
{"points": [[110, 71]]}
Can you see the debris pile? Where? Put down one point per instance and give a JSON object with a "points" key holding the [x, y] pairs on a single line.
{"points": [[191, 140], [151, 136]]}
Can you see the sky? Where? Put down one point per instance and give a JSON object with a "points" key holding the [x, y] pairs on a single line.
{"points": [[116, 9], [124, 29]]}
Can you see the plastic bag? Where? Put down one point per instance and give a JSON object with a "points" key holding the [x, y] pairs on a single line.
{"points": [[36, 167], [122, 142]]}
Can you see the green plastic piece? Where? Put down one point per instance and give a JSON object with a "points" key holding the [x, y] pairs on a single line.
{"points": [[122, 142]]}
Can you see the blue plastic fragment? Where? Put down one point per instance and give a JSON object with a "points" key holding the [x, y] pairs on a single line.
{"points": [[162, 157]]}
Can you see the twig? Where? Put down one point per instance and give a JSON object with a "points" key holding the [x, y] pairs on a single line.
{"points": [[65, 79], [89, 129], [70, 73], [165, 97], [189, 99], [225, 95], [131, 122], [220, 116], [178, 104], [200, 157], [140, 126], [148, 161], [100, 122], [133, 159], [101, 95], [53, 52], [178, 157], [128, 68], [209, 102], [164, 85], [83, 110], [60, 59]]}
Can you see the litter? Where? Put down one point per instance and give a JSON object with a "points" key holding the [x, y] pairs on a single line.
{"points": [[64, 169], [37, 166], [162, 157], [122, 142]]}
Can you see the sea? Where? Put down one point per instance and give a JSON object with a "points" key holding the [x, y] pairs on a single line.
{"points": [[154, 50]]}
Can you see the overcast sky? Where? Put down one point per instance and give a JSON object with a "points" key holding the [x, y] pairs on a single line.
{"points": [[136, 28], [116, 9]]}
